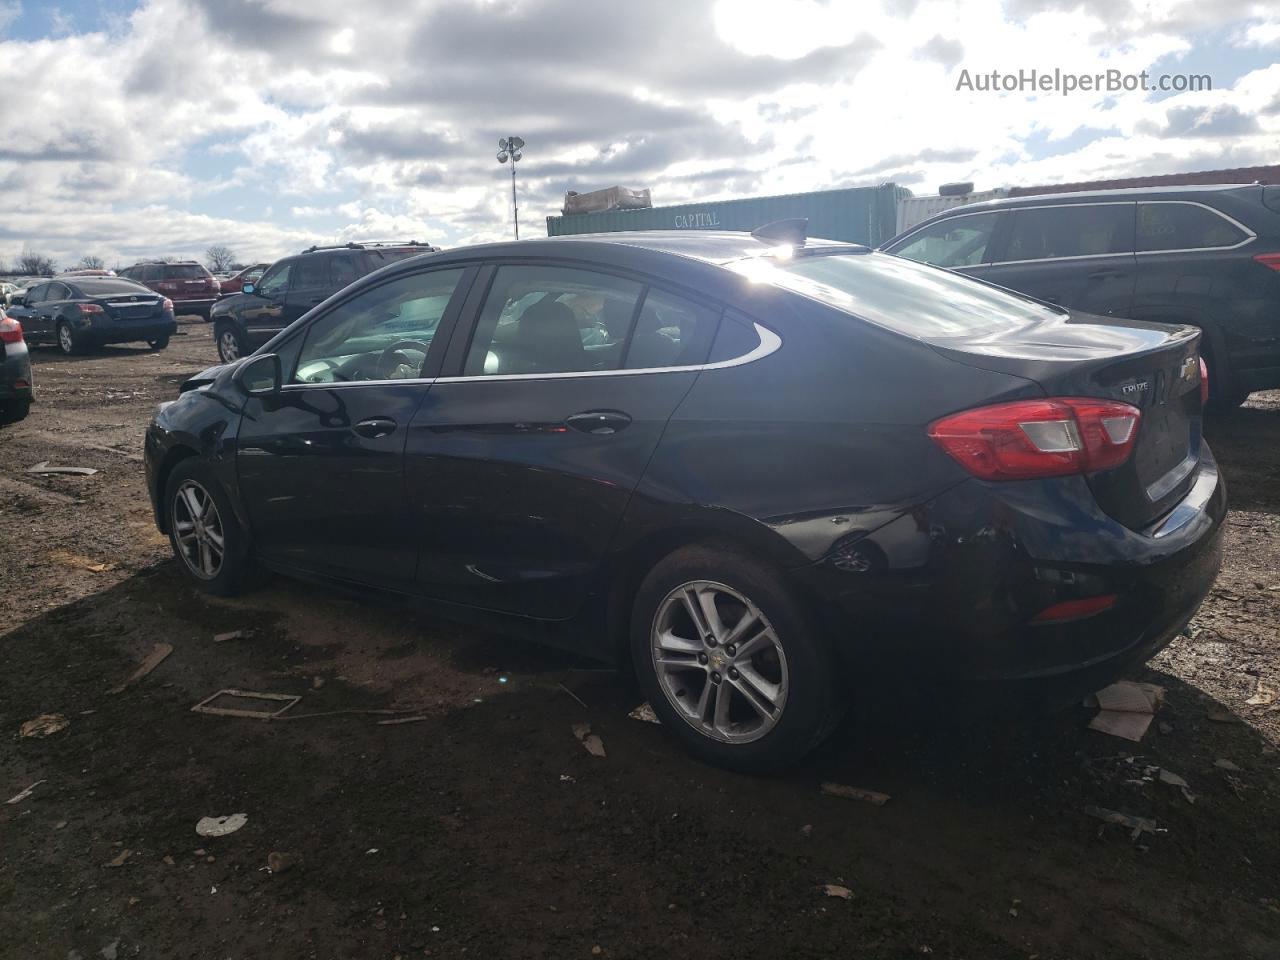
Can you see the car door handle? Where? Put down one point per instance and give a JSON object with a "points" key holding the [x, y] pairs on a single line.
{"points": [[375, 427], [598, 422]]}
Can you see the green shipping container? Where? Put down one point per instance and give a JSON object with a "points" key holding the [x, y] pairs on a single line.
{"points": [[855, 214]]}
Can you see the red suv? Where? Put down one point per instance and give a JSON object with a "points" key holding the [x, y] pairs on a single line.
{"points": [[187, 283]]}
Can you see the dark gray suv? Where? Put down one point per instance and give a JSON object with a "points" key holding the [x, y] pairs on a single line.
{"points": [[1205, 255]]}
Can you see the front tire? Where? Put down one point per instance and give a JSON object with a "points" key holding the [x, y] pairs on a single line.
{"points": [[203, 532], [731, 660], [231, 345], [159, 343]]}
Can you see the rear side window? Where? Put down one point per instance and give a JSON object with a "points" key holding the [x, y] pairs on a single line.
{"points": [[58, 291], [959, 242], [185, 271], [342, 271], [736, 338], [911, 298], [1078, 230], [670, 332], [1184, 226], [549, 319], [150, 273], [110, 287], [381, 256]]}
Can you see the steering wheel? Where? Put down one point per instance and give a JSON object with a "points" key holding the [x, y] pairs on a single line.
{"points": [[391, 358]]}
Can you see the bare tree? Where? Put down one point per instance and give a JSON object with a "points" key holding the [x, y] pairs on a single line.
{"points": [[91, 262], [36, 264], [220, 257]]}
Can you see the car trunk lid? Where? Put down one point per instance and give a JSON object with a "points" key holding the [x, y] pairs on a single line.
{"points": [[131, 307], [1154, 367]]}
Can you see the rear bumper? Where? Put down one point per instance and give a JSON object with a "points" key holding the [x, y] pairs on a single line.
{"points": [[953, 586], [200, 305], [128, 331], [15, 370]]}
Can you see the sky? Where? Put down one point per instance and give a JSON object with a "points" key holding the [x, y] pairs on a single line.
{"points": [[161, 127]]}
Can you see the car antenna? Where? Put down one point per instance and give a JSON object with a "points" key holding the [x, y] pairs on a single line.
{"points": [[793, 231]]}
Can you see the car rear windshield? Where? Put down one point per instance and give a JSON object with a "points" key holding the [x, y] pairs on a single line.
{"points": [[912, 298], [110, 287], [185, 271]]}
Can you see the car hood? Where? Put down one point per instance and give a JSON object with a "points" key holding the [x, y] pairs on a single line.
{"points": [[209, 376]]}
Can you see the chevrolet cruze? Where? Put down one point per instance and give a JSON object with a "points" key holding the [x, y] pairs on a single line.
{"points": [[750, 464]]}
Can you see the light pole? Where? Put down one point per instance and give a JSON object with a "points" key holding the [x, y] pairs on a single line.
{"points": [[509, 149]]}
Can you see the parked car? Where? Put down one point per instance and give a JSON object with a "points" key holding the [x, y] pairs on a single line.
{"points": [[187, 283], [752, 465], [79, 313], [88, 272], [292, 286], [1205, 256], [16, 390], [15, 285], [236, 282]]}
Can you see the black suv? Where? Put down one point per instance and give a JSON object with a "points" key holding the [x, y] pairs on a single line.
{"points": [[292, 286], [1206, 255]]}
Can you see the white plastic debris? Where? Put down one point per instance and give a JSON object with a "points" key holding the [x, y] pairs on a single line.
{"points": [[644, 713], [221, 826]]}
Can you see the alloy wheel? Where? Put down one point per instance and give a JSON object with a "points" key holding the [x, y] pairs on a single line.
{"points": [[64, 339], [719, 662], [198, 530], [228, 346]]}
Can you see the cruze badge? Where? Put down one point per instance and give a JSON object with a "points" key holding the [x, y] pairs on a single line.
{"points": [[1138, 387]]}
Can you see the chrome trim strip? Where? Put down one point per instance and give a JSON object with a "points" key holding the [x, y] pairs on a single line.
{"points": [[1250, 236], [1191, 505], [1161, 487], [769, 342]]}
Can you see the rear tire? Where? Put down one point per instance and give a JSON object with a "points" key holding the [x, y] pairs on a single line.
{"points": [[776, 675], [1224, 395], [69, 342], [206, 538], [230, 343], [159, 343], [14, 411]]}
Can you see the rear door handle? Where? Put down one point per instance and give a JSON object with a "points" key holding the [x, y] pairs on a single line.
{"points": [[599, 422], [375, 427]]}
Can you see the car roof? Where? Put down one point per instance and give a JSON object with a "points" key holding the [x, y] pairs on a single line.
{"points": [[1094, 196]]}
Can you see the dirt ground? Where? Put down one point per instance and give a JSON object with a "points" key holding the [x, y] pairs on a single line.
{"points": [[484, 829]]}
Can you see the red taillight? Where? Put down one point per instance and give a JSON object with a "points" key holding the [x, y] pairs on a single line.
{"points": [[1075, 609], [10, 330], [90, 308], [1204, 383], [1271, 260], [1040, 438]]}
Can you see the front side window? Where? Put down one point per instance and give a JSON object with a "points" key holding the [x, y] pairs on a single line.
{"points": [[275, 282], [1077, 230], [1184, 226], [37, 293], [381, 334], [959, 242], [552, 320]]}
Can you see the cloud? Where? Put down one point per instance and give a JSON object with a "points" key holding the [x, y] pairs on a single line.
{"points": [[1223, 120], [944, 51]]}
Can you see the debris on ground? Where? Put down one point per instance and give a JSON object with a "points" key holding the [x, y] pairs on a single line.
{"points": [[43, 468], [856, 793], [1263, 696], [1227, 765], [245, 703], [567, 778], [232, 635], [45, 725], [1139, 825], [25, 793], [396, 720], [644, 713], [69, 559], [593, 744], [806, 830], [581, 702], [835, 890], [111, 951], [1222, 716], [221, 826], [154, 659], [120, 858], [1171, 778], [278, 862], [1126, 708]]}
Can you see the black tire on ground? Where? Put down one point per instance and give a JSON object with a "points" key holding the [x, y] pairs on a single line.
{"points": [[235, 569], [69, 342], [12, 411], [1224, 394], [227, 337], [813, 703], [159, 343]]}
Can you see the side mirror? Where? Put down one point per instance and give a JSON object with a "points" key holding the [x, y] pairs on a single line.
{"points": [[247, 288], [259, 376]]}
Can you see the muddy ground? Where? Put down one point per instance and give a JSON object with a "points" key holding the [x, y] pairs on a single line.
{"points": [[486, 830]]}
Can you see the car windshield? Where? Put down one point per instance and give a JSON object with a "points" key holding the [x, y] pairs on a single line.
{"points": [[110, 286], [911, 298]]}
